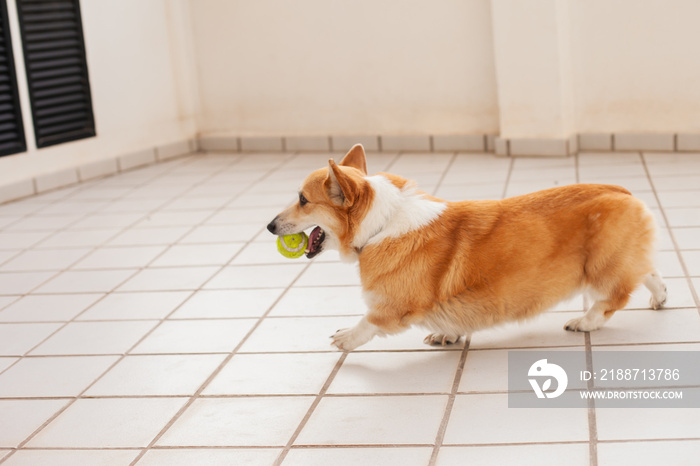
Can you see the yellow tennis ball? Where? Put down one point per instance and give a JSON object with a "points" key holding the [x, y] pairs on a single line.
{"points": [[292, 246]]}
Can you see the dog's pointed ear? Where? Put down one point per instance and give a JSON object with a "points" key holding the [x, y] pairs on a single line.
{"points": [[340, 187], [356, 158]]}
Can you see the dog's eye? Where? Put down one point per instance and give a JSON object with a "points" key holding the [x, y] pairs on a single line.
{"points": [[302, 200]]}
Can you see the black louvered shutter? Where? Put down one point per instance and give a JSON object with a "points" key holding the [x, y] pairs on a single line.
{"points": [[57, 75], [11, 127]]}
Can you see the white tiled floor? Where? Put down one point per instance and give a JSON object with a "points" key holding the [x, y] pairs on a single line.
{"points": [[147, 319]]}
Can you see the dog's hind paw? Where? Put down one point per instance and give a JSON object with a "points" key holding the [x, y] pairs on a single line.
{"points": [[440, 339], [657, 302], [582, 324]]}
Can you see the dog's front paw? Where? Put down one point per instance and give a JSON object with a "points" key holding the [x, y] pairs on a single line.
{"points": [[346, 339], [435, 339]]}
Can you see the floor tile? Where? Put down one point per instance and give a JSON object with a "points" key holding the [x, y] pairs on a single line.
{"points": [[163, 219], [684, 217], [70, 206], [94, 281], [404, 456], [670, 325], [95, 338], [190, 336], [43, 222], [692, 262], [684, 453], [105, 221], [659, 423], [200, 254], [72, 457], [251, 421], [687, 238], [544, 330], [20, 418], [227, 303], [17, 339], [374, 420], [500, 424], [48, 308], [675, 183], [21, 240], [133, 205], [223, 233], [100, 423], [607, 171], [195, 203], [22, 282], [156, 375], [632, 183], [332, 274], [6, 362], [668, 265], [419, 372], [296, 334], [211, 456], [685, 198], [120, 257], [517, 188], [251, 215], [78, 238], [522, 455], [321, 301], [169, 279], [45, 259], [487, 370], [52, 376], [261, 253], [256, 276], [136, 305], [273, 374], [149, 236]]}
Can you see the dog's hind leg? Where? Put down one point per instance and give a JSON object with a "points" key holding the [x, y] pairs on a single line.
{"points": [[600, 311], [657, 287]]}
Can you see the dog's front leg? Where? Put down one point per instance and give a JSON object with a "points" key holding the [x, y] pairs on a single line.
{"points": [[350, 338]]}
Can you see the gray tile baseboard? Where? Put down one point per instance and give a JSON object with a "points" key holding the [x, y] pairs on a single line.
{"points": [[99, 168]]}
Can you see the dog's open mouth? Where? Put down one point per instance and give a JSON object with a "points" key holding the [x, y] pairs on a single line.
{"points": [[315, 242]]}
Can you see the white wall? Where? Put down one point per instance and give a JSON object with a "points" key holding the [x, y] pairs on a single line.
{"points": [[141, 95], [271, 67], [637, 65]]}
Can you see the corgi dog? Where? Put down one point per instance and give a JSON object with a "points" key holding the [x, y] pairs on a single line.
{"points": [[457, 267]]}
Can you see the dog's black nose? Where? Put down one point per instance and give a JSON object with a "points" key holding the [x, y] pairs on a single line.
{"points": [[272, 227]]}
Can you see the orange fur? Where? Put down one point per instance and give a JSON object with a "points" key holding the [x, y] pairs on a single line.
{"points": [[480, 263]]}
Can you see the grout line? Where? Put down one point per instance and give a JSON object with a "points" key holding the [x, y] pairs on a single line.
{"points": [[677, 249], [450, 403], [508, 175], [592, 419], [283, 454], [362, 445], [444, 172], [577, 167]]}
